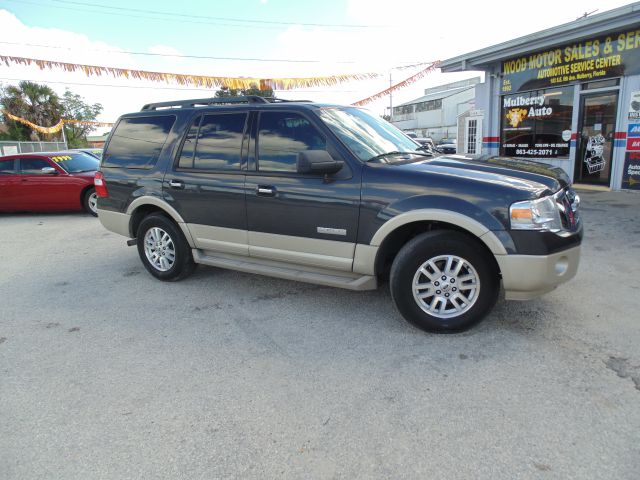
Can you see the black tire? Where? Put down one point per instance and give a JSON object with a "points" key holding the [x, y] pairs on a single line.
{"points": [[87, 201], [182, 264], [433, 245]]}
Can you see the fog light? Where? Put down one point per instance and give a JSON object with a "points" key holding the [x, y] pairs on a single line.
{"points": [[562, 266]]}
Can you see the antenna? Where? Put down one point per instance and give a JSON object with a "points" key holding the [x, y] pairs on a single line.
{"points": [[586, 14]]}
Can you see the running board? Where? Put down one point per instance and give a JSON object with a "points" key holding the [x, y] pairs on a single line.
{"points": [[300, 273]]}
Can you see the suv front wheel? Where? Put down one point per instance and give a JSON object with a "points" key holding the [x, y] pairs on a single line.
{"points": [[163, 249], [443, 282]]}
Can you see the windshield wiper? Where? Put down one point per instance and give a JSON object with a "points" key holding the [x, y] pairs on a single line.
{"points": [[396, 152]]}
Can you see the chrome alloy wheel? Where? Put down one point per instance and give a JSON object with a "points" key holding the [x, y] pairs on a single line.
{"points": [[92, 201], [159, 249], [446, 286]]}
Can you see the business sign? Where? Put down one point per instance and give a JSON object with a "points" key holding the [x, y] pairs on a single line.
{"points": [[611, 55], [631, 172], [633, 144]]}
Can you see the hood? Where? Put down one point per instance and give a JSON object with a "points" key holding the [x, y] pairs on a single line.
{"points": [[515, 173]]}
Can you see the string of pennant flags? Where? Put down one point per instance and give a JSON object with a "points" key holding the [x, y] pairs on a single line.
{"points": [[57, 127], [284, 83]]}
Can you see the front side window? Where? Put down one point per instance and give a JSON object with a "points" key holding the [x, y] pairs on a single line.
{"points": [[33, 166], [137, 142], [281, 136]]}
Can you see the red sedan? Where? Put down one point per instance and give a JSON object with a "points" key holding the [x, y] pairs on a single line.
{"points": [[48, 182]]}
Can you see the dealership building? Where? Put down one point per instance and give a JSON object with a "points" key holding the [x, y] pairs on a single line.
{"points": [[568, 96]]}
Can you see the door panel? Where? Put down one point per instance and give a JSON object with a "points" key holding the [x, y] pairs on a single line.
{"points": [[207, 183], [8, 185], [303, 219], [40, 191]]}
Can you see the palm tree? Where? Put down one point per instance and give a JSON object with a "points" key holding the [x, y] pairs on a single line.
{"points": [[34, 102]]}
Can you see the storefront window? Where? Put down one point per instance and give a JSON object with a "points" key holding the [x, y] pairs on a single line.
{"points": [[537, 124]]}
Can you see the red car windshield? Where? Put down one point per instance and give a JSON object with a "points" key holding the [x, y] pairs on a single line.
{"points": [[76, 162]]}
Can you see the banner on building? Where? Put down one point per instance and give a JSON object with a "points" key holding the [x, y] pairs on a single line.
{"points": [[612, 55], [631, 172]]}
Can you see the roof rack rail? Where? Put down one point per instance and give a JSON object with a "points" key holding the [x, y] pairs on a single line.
{"points": [[204, 102]]}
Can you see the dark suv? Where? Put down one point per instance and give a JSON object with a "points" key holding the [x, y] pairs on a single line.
{"points": [[333, 195]]}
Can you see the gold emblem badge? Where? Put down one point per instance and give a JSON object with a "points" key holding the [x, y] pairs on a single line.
{"points": [[515, 116]]}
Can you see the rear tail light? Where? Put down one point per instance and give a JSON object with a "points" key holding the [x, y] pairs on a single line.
{"points": [[101, 185]]}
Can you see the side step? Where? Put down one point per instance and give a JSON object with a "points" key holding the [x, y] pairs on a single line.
{"points": [[300, 273]]}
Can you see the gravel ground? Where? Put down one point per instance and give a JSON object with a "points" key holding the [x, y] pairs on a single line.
{"points": [[108, 373]]}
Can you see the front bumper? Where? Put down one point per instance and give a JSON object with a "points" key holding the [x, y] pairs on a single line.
{"points": [[529, 276]]}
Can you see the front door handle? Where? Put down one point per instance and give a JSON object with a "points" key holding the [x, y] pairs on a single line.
{"points": [[266, 191], [177, 184]]}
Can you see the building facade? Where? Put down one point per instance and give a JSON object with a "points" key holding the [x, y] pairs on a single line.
{"points": [[435, 114], [568, 96]]}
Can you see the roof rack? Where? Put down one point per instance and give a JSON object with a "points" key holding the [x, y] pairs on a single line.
{"points": [[204, 102]]}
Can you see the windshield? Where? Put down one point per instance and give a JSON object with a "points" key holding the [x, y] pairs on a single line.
{"points": [[366, 135], [76, 162]]}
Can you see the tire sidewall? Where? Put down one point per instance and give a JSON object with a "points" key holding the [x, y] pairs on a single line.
{"points": [[183, 259], [85, 201], [429, 245]]}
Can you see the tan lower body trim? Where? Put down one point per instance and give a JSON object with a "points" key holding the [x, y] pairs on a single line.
{"points": [[528, 276], [115, 222], [304, 251], [219, 239], [364, 260]]}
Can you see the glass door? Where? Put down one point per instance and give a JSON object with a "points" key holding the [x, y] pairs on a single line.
{"points": [[596, 131]]}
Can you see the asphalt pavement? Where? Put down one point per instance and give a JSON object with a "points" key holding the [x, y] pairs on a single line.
{"points": [[107, 373]]}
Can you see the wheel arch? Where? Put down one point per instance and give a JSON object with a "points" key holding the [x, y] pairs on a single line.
{"points": [[395, 233], [146, 205], [84, 191]]}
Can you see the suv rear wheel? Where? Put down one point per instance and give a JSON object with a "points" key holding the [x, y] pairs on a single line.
{"points": [[443, 282], [163, 249]]}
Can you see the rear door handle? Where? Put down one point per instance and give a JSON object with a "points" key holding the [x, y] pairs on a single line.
{"points": [[177, 184], [266, 191]]}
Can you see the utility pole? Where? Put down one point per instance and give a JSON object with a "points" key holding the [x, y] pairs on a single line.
{"points": [[64, 138]]}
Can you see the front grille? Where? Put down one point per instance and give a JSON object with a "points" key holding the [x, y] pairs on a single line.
{"points": [[569, 204]]}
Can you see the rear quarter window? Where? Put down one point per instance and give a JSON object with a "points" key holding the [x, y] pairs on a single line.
{"points": [[137, 142]]}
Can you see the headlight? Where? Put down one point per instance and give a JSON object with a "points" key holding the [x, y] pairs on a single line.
{"points": [[541, 214]]}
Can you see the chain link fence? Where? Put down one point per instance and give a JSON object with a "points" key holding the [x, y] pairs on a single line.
{"points": [[11, 148]]}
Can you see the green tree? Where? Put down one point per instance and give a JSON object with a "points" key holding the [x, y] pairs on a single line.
{"points": [[252, 90], [34, 102], [75, 108]]}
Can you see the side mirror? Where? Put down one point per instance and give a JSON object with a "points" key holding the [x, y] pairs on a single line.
{"points": [[317, 161], [49, 171]]}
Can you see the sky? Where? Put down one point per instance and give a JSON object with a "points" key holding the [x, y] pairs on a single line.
{"points": [[261, 38]]}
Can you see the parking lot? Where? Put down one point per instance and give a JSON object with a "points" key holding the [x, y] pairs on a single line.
{"points": [[108, 373]]}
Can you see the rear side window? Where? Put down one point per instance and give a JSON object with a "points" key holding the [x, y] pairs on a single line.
{"points": [[7, 167], [214, 142], [33, 166], [281, 136], [137, 142]]}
